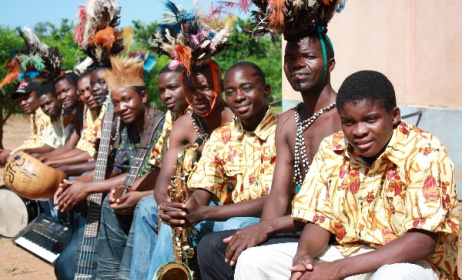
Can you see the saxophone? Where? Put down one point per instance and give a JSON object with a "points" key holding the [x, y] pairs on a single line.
{"points": [[179, 269]]}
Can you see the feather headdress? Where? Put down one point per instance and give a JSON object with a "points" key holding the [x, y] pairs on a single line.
{"points": [[97, 32], [45, 60], [36, 61], [293, 18], [190, 39], [126, 72]]}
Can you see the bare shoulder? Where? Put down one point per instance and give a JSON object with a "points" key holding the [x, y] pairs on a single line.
{"points": [[182, 130], [286, 122]]}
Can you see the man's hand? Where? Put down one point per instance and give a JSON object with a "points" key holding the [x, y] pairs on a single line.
{"points": [[68, 194], [4, 155], [305, 269], [301, 264], [244, 238], [126, 204]]}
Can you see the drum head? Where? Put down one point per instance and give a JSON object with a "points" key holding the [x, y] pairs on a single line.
{"points": [[14, 214]]}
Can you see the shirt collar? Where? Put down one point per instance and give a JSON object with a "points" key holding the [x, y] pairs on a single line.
{"points": [[263, 130], [395, 150]]}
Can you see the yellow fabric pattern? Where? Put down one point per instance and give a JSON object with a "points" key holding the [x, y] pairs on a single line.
{"points": [[158, 151], [410, 186], [91, 131], [39, 121], [237, 165], [57, 133]]}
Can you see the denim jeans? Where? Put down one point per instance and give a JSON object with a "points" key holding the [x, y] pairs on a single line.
{"points": [[152, 249], [145, 229], [115, 244]]}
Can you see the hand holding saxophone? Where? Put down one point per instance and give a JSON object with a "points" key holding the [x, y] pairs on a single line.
{"points": [[181, 215]]}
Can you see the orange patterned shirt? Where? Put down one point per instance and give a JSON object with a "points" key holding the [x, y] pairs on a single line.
{"points": [[38, 122], [158, 151], [409, 186], [91, 131], [237, 165]]}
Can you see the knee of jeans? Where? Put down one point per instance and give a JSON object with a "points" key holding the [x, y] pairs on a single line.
{"points": [[146, 206]]}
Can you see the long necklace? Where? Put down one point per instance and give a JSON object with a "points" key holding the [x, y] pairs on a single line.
{"points": [[196, 121], [300, 145], [117, 129]]}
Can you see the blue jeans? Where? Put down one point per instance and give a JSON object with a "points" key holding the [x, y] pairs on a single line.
{"points": [[159, 245], [49, 208], [114, 244], [145, 228]]}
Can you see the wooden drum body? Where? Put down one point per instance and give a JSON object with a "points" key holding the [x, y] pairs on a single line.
{"points": [[30, 178]]}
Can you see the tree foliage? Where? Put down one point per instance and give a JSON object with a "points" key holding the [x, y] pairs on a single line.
{"points": [[264, 52], [9, 43]]}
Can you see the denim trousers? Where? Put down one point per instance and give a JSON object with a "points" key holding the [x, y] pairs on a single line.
{"points": [[115, 244], [158, 246]]}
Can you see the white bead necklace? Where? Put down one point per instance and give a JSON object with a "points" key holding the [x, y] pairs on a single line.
{"points": [[196, 121], [300, 146]]}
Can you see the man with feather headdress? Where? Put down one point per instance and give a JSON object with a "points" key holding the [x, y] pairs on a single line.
{"points": [[308, 62], [189, 42]]}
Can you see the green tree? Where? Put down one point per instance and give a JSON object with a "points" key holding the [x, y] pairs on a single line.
{"points": [[9, 43]]}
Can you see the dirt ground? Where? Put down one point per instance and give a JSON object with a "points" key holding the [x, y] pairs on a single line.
{"points": [[18, 264]]}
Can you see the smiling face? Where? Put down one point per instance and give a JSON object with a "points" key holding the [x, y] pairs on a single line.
{"points": [[171, 91], [128, 104], [50, 105], [246, 94], [368, 126], [199, 90], [304, 63], [66, 93], [29, 103], [98, 86]]}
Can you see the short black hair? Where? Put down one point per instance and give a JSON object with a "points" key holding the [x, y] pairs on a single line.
{"points": [[244, 64], [71, 77], [45, 89], [367, 85], [84, 74]]}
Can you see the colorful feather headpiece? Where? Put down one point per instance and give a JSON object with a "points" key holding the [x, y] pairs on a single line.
{"points": [[126, 72], [190, 39], [97, 32], [37, 61], [293, 18]]}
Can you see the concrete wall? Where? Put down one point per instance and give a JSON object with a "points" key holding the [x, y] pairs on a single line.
{"points": [[418, 46]]}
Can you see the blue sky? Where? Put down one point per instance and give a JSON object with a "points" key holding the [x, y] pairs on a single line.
{"points": [[14, 13]]}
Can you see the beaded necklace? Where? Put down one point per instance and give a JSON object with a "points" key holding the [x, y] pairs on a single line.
{"points": [[300, 146], [196, 121]]}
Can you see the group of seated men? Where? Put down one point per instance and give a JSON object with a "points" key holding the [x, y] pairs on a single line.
{"points": [[352, 192]]}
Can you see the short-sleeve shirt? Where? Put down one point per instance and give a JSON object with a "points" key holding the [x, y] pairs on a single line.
{"points": [[409, 186], [91, 131], [129, 139], [59, 130], [159, 149], [38, 122], [237, 165]]}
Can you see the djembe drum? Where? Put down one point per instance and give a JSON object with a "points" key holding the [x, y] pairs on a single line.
{"points": [[30, 178]]}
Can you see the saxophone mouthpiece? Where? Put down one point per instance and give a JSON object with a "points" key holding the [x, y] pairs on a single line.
{"points": [[201, 139]]}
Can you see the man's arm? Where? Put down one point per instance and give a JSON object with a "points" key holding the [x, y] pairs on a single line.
{"points": [[70, 193], [70, 144], [78, 168], [72, 157], [274, 217], [40, 150], [413, 246]]}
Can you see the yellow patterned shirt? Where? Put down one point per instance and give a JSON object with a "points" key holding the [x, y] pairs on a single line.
{"points": [[38, 122], [237, 165], [158, 151], [91, 131], [57, 133], [409, 186]]}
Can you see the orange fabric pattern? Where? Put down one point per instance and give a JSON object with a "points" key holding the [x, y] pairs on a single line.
{"points": [[410, 186], [38, 122], [237, 165], [91, 131]]}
